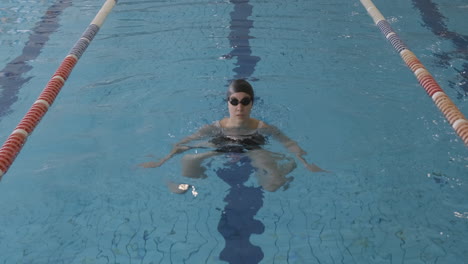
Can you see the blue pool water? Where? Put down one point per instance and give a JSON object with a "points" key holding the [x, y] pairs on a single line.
{"points": [[157, 70]]}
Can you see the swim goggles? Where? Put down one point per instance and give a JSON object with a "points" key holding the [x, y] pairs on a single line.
{"points": [[245, 101]]}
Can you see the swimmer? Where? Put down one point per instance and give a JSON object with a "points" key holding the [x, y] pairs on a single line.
{"points": [[240, 133]]}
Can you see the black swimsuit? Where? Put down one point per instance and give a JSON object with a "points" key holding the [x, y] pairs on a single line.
{"points": [[238, 144]]}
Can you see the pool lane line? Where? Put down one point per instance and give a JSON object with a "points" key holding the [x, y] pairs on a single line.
{"points": [[237, 222], [17, 138], [10, 76], [239, 39], [456, 119]]}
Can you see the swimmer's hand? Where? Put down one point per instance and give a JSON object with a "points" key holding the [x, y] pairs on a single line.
{"points": [[314, 168], [310, 166], [179, 149], [151, 164]]}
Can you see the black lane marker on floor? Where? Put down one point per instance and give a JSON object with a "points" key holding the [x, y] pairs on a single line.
{"points": [[239, 39], [433, 19], [237, 221]]}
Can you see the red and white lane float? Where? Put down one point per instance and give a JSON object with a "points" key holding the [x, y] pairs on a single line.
{"points": [[456, 119], [17, 139]]}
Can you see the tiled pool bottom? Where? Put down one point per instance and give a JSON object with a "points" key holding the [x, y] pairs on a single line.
{"points": [[315, 221]]}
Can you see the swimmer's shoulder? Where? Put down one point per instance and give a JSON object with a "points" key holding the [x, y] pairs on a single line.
{"points": [[255, 123], [210, 129], [260, 124], [221, 123], [267, 129]]}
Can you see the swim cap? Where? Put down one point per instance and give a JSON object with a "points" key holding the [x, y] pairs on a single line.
{"points": [[240, 86]]}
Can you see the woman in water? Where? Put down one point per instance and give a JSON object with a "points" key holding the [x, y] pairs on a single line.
{"points": [[240, 133]]}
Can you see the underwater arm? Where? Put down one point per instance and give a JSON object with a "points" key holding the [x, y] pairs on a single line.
{"points": [[179, 147], [292, 146]]}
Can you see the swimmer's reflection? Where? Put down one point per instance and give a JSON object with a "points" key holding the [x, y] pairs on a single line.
{"points": [[239, 133]]}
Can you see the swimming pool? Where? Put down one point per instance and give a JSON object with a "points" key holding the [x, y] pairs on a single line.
{"points": [[158, 70]]}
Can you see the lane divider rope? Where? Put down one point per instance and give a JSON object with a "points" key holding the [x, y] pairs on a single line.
{"points": [[456, 119], [17, 138]]}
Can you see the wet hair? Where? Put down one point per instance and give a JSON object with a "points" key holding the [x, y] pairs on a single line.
{"points": [[240, 86]]}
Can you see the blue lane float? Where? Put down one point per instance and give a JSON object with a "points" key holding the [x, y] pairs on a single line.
{"points": [[82, 44]]}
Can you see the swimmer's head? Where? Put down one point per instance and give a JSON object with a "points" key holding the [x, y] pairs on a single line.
{"points": [[240, 86]]}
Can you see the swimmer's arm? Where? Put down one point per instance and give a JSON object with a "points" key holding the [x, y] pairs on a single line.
{"points": [[204, 132], [292, 146], [179, 147], [288, 143]]}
